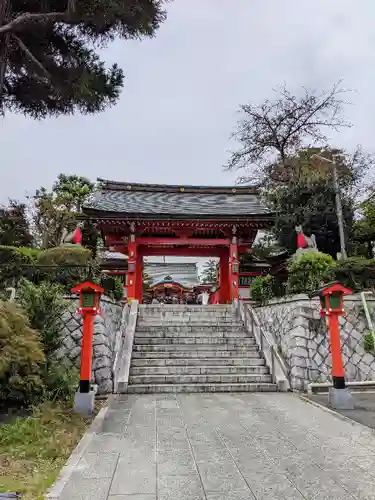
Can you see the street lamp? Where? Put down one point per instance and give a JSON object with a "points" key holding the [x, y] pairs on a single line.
{"points": [[340, 218]]}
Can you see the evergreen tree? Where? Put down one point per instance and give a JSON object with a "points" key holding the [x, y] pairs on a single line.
{"points": [[209, 273], [14, 226], [48, 65]]}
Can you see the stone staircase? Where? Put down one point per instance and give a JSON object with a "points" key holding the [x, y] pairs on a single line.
{"points": [[181, 348]]}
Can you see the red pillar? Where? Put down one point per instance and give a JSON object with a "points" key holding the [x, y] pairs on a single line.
{"points": [[139, 278], [234, 269], [132, 268], [224, 278], [86, 355], [338, 374]]}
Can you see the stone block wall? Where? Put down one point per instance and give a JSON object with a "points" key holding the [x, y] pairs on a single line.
{"points": [[106, 326], [302, 338]]}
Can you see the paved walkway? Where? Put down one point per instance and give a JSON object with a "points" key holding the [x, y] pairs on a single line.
{"points": [[224, 447], [364, 403]]}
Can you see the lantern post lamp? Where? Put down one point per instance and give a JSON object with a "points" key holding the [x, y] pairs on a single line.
{"points": [[89, 299], [331, 300]]}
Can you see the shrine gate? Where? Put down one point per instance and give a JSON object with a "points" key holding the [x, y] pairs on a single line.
{"points": [[161, 220]]}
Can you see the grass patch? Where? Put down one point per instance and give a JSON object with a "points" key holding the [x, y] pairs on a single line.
{"points": [[34, 449]]}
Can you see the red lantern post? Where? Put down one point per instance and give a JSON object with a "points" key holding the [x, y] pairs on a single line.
{"points": [[331, 299], [88, 307]]}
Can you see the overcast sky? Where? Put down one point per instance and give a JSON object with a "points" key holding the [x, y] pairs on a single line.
{"points": [[183, 88]]}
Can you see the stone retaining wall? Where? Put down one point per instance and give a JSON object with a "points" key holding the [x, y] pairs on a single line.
{"points": [[106, 326], [302, 337]]}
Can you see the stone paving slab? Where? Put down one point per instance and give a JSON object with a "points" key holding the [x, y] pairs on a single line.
{"points": [[224, 447]]}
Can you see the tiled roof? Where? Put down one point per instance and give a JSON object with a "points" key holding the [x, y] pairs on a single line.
{"points": [[181, 272], [144, 199]]}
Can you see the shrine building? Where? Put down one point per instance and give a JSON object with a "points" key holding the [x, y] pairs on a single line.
{"points": [[140, 220]]}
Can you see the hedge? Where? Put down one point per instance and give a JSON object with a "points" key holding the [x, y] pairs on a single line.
{"points": [[14, 262]]}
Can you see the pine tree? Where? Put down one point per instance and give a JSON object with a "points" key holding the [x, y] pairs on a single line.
{"points": [[48, 65]]}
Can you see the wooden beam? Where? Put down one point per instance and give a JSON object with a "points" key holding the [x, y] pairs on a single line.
{"points": [[197, 242], [182, 252]]}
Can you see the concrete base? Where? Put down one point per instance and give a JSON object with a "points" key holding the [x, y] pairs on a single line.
{"points": [[84, 403], [340, 399]]}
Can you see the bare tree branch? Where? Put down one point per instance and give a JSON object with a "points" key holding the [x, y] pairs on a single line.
{"points": [[276, 129]]}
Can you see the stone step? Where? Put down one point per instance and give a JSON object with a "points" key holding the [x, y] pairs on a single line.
{"points": [[184, 308], [209, 353], [184, 315], [173, 388], [196, 322], [201, 362], [199, 379], [182, 341], [173, 329], [188, 318], [201, 333], [197, 370], [171, 348]]}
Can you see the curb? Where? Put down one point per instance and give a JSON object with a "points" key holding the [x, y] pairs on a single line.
{"points": [[335, 413], [56, 489]]}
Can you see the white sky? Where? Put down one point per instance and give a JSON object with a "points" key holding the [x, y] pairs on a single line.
{"points": [[183, 88]]}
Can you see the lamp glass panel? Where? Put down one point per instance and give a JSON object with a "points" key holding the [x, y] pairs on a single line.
{"points": [[88, 299], [335, 301]]}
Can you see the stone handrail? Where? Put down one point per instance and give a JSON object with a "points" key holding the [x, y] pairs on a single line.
{"points": [[125, 348], [120, 334], [279, 371]]}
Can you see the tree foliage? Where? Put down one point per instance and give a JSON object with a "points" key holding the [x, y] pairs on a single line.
{"points": [[14, 261], [56, 210], [209, 273], [278, 128], [21, 353], [303, 194], [44, 306], [309, 271], [48, 62], [262, 289], [14, 226], [364, 228], [355, 273], [311, 205], [146, 281], [67, 266]]}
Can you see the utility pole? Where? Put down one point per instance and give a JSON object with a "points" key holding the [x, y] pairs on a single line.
{"points": [[340, 218], [339, 214]]}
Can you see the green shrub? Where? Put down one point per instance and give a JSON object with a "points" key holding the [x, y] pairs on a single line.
{"points": [[44, 305], [60, 381], [66, 265], [368, 342], [113, 287], [30, 253], [262, 288], [14, 264], [65, 255], [309, 271], [356, 273], [21, 353]]}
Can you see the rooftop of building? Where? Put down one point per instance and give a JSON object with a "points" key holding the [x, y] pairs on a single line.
{"points": [[185, 273], [121, 198]]}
